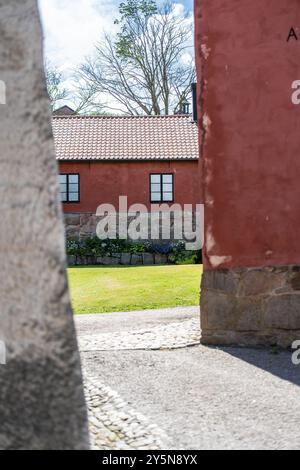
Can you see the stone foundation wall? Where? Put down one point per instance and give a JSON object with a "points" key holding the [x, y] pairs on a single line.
{"points": [[251, 306], [83, 225], [133, 259]]}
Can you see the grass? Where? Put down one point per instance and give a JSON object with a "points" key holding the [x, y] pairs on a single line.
{"points": [[115, 289]]}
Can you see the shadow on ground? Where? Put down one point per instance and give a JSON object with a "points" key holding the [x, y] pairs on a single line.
{"points": [[278, 363]]}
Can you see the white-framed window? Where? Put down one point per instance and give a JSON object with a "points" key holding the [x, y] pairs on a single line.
{"points": [[69, 187], [161, 187]]}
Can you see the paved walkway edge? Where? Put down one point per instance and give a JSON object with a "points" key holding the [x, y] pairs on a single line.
{"points": [[114, 425]]}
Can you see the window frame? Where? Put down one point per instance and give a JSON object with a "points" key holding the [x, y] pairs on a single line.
{"points": [[161, 201], [67, 183]]}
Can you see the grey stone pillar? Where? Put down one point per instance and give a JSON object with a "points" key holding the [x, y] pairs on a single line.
{"points": [[41, 396]]}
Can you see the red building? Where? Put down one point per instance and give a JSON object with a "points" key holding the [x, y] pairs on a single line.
{"points": [[250, 164], [149, 159]]}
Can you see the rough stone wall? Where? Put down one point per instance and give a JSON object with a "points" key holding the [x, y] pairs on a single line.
{"points": [[133, 259], [80, 226], [249, 145], [251, 306], [41, 397]]}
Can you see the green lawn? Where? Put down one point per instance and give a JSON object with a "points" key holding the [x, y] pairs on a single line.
{"points": [[116, 289]]}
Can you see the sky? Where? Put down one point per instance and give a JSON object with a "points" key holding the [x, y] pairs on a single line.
{"points": [[72, 27]]}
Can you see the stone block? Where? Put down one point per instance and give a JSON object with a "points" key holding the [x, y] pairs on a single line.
{"points": [[249, 314], [136, 259], [283, 312], [88, 224], [247, 308], [107, 260], [224, 280], [160, 259], [85, 218], [71, 260], [262, 281], [218, 310], [294, 279], [72, 232], [240, 338], [126, 258], [148, 258], [72, 219]]}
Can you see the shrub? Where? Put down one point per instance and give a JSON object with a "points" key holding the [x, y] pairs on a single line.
{"points": [[179, 255], [184, 258], [138, 247], [93, 246], [75, 248], [161, 249]]}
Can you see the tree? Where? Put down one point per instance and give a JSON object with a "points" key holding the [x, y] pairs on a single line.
{"points": [[81, 96], [148, 67], [54, 80], [83, 100]]}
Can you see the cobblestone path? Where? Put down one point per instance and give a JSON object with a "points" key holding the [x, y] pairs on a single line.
{"points": [[113, 423]]}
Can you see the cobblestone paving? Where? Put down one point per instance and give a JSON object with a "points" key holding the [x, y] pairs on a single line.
{"points": [[191, 398], [169, 336], [114, 425]]}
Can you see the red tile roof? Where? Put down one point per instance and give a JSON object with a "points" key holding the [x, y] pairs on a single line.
{"points": [[125, 138]]}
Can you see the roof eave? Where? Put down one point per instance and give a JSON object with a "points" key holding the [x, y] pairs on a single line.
{"points": [[139, 159]]}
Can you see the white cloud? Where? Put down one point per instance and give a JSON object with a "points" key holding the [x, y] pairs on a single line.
{"points": [[72, 27], [179, 9]]}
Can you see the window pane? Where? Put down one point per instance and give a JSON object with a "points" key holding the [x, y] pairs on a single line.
{"points": [[167, 178], [63, 197], [167, 188], [167, 197], [73, 188], [63, 188], [73, 197], [155, 178], [155, 197], [62, 178], [155, 187], [73, 178]]}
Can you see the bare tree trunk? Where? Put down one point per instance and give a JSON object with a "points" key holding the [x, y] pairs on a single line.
{"points": [[41, 397]]}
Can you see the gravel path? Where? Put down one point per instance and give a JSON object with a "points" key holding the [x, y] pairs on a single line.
{"points": [[131, 321], [150, 329], [199, 397], [205, 398]]}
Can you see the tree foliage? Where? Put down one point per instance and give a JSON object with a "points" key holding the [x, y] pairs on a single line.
{"points": [[148, 67]]}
